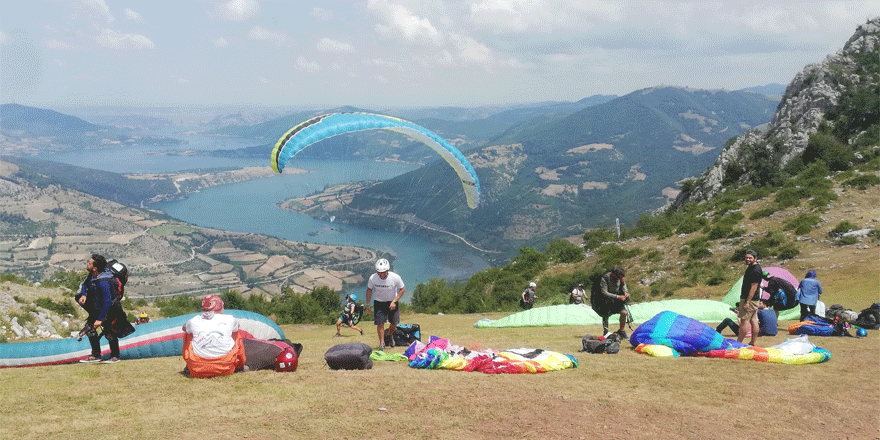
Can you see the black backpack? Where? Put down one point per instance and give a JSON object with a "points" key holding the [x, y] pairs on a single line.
{"points": [[610, 345], [869, 318], [120, 273]]}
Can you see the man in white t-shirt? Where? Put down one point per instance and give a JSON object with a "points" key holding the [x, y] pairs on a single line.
{"points": [[388, 288], [213, 341]]}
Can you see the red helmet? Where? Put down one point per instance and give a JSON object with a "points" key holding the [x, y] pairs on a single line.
{"points": [[287, 360]]}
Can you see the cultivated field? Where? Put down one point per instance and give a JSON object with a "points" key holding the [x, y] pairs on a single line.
{"points": [[622, 396]]}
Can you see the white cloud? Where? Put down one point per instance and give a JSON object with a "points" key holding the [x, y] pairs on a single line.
{"points": [[101, 7], [322, 15], [400, 21], [260, 33], [115, 40], [470, 50], [328, 45], [53, 43], [239, 10], [304, 65], [221, 42], [132, 15]]}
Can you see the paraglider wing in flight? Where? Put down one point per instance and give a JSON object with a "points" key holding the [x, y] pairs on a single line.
{"points": [[325, 126]]}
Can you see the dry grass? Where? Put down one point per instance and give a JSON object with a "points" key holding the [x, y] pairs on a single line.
{"points": [[626, 395]]}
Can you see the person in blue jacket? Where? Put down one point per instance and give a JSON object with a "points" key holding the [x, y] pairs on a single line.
{"points": [[808, 294], [97, 296]]}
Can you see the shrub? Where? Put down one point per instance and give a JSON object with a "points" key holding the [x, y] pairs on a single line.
{"points": [[843, 226], [802, 224], [844, 241], [64, 307], [863, 181], [564, 251], [595, 237], [765, 212]]}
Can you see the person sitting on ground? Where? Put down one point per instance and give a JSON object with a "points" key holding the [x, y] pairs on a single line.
{"points": [[577, 295], [348, 314], [527, 298], [211, 343], [143, 318], [766, 321], [611, 298], [779, 290]]}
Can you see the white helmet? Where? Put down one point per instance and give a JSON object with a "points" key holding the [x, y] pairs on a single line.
{"points": [[533, 285], [382, 265]]}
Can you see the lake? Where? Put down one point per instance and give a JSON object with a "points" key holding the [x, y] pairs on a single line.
{"points": [[252, 206]]}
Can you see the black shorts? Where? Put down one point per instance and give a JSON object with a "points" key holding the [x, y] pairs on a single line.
{"points": [[382, 313]]}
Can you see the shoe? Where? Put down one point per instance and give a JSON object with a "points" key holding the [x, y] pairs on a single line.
{"points": [[362, 332], [337, 335], [381, 347], [112, 360], [391, 343], [621, 333], [90, 360]]}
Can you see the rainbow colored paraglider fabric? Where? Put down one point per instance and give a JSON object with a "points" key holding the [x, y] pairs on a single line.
{"points": [[440, 354], [669, 334]]}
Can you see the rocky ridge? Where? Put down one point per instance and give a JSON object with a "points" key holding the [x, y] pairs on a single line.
{"points": [[807, 99]]}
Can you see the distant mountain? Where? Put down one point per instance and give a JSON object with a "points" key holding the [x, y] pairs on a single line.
{"points": [[32, 131], [558, 176], [40, 122], [769, 89]]}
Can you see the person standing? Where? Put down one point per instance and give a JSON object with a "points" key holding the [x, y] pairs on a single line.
{"points": [[577, 295], [98, 296], [211, 343], [808, 294], [611, 297], [389, 288], [750, 299], [527, 298]]}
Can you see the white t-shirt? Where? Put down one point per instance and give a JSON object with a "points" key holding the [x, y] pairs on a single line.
{"points": [[212, 338], [385, 290]]}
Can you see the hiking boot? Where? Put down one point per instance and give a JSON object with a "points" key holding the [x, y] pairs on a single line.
{"points": [[111, 360], [621, 333], [381, 347], [90, 359]]}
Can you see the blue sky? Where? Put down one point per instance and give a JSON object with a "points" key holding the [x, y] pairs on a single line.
{"points": [[402, 53]]}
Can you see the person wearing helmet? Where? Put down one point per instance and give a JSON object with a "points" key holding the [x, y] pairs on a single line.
{"points": [[389, 288], [577, 295], [212, 345], [347, 313], [527, 298]]}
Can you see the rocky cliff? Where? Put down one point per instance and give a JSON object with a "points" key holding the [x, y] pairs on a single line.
{"points": [[808, 98]]}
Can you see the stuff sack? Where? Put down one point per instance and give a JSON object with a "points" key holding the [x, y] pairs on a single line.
{"points": [[351, 356], [404, 334], [596, 346], [869, 318]]}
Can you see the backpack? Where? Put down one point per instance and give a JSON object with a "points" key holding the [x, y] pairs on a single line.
{"points": [[120, 273], [610, 345], [869, 318], [404, 335]]}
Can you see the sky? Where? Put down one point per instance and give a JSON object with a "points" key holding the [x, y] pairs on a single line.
{"points": [[380, 54]]}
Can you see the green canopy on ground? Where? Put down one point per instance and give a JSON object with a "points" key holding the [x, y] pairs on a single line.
{"points": [[703, 310]]}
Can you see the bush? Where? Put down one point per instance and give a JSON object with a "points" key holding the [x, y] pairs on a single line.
{"points": [[766, 212], [595, 237], [564, 251], [844, 241], [843, 226], [863, 181], [802, 224], [64, 307]]}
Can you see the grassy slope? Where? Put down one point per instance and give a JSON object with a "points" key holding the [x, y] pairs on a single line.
{"points": [[627, 395], [850, 275]]}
